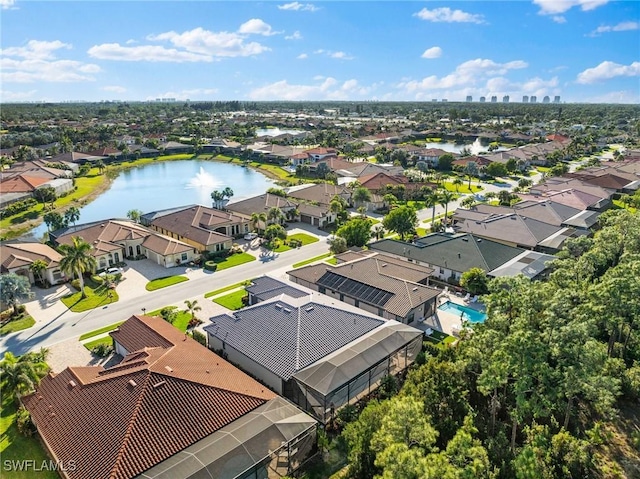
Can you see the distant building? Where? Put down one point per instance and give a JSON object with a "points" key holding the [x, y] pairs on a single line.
{"points": [[556, 99], [525, 99], [444, 100], [505, 99], [533, 99], [469, 98], [435, 100], [482, 99], [546, 99], [494, 99]]}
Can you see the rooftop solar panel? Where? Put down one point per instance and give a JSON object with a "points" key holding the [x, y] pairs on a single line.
{"points": [[355, 289]]}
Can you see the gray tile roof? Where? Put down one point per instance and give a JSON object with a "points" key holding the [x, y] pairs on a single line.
{"points": [[266, 287], [457, 252], [285, 338]]}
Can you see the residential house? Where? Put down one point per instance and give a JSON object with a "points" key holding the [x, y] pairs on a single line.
{"points": [[319, 353], [431, 156], [17, 257], [558, 183], [206, 229], [378, 283], [169, 409], [450, 254], [262, 204]]}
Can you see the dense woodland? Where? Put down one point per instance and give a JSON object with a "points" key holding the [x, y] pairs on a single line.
{"points": [[548, 387]]}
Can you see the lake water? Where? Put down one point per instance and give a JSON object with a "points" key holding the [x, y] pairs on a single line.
{"points": [[276, 132], [474, 148], [167, 184]]}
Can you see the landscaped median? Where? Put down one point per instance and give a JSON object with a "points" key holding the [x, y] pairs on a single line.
{"points": [[165, 281], [220, 263], [228, 288], [312, 260]]}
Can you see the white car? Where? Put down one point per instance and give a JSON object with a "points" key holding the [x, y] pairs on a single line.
{"points": [[111, 271], [250, 236]]}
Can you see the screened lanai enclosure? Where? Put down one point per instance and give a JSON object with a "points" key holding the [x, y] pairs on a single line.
{"points": [[270, 442], [354, 371]]}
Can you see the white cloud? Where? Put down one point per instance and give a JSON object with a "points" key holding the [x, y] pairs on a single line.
{"points": [[7, 96], [331, 54], [193, 94], [622, 96], [433, 52], [559, 19], [131, 41], [255, 26], [447, 15], [294, 36], [302, 56], [620, 27], [115, 89], [7, 4], [211, 44], [297, 6], [327, 89], [149, 53], [37, 62], [607, 70], [554, 7]]}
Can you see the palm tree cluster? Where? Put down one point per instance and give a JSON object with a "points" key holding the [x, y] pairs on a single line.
{"points": [[21, 374], [219, 197], [77, 260]]}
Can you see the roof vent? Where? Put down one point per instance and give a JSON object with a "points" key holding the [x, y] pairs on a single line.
{"points": [[72, 383], [310, 308], [479, 240], [384, 264], [286, 310], [278, 306], [102, 225], [159, 384], [132, 383], [168, 368], [415, 288], [459, 256]]}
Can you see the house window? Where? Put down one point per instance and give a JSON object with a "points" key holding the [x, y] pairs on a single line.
{"points": [[116, 257], [380, 312], [138, 249], [322, 290], [357, 304], [441, 270], [341, 297], [184, 257]]}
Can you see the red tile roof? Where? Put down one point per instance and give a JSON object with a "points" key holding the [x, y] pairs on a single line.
{"points": [[166, 395]]}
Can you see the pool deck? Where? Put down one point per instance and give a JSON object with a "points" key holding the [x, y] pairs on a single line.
{"points": [[447, 322]]}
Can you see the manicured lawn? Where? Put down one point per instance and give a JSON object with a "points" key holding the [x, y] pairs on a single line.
{"points": [[92, 344], [98, 295], [464, 188], [311, 260], [229, 288], [304, 238], [182, 318], [164, 282], [232, 301], [421, 232], [440, 340], [102, 330], [333, 261], [18, 324], [16, 447], [282, 247], [234, 260]]}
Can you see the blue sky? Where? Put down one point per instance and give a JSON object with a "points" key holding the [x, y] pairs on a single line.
{"points": [[582, 50]]}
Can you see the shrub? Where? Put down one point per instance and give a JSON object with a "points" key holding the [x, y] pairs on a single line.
{"points": [[102, 350], [198, 336], [23, 422], [210, 265]]}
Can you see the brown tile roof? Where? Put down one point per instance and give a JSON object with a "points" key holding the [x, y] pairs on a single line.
{"points": [[196, 223], [321, 193], [387, 273], [105, 235], [164, 245], [118, 422], [15, 255], [22, 184], [260, 204]]}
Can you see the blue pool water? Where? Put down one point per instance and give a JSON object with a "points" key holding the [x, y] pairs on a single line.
{"points": [[468, 313]]}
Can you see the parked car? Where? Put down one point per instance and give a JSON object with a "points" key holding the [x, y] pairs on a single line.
{"points": [[250, 236], [111, 271]]}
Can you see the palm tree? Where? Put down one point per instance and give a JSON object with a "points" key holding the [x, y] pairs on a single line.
{"points": [[227, 193], [100, 166], [446, 197], [292, 214], [431, 201], [361, 195], [256, 219], [21, 375], [134, 215], [218, 198], [37, 267], [192, 307], [72, 215], [77, 260], [274, 215], [457, 182]]}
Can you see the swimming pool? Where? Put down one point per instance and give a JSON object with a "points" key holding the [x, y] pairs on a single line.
{"points": [[469, 314]]}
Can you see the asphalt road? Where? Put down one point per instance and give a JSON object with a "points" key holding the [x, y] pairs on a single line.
{"points": [[70, 325]]}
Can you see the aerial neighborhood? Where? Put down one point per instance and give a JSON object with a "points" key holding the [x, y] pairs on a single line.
{"points": [[228, 290]]}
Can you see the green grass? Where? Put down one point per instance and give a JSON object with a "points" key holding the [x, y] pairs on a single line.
{"points": [[282, 247], [15, 447], [18, 324], [304, 238], [333, 261], [464, 188], [99, 331], [164, 282], [92, 344], [233, 260], [440, 340], [98, 295], [182, 317], [228, 288], [311, 260], [232, 301]]}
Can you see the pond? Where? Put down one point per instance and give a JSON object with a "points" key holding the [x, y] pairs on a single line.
{"points": [[474, 148], [276, 132], [167, 184]]}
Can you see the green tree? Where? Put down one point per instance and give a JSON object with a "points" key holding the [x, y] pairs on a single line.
{"points": [[356, 231], [134, 215], [192, 307], [361, 195], [457, 182], [54, 221], [475, 281], [14, 288], [72, 215], [275, 232], [471, 170], [497, 169], [227, 193], [445, 198], [218, 198], [45, 194], [274, 215], [169, 314], [445, 162], [403, 220], [257, 219], [77, 259], [21, 375], [38, 267], [431, 201], [337, 245]]}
